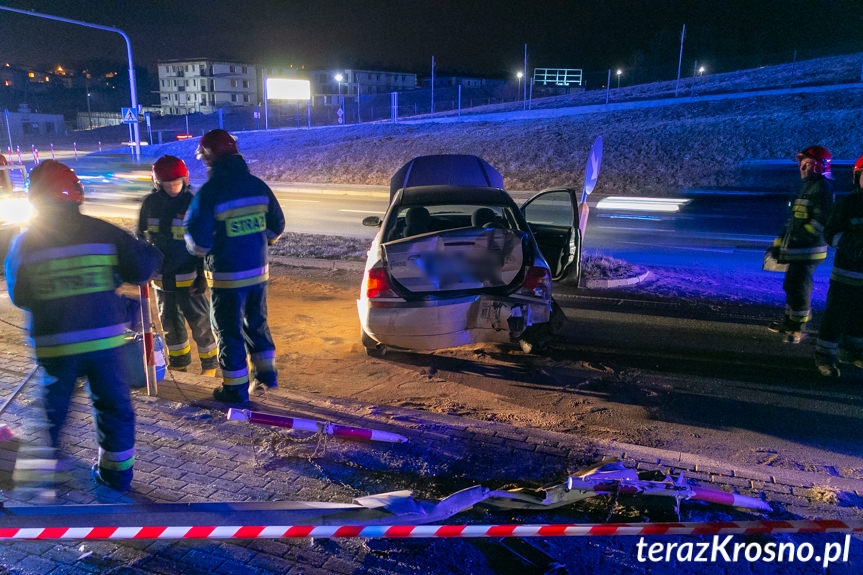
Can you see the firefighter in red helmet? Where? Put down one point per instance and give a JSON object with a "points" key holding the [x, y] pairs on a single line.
{"points": [[181, 290], [65, 269], [842, 325], [231, 221], [802, 244]]}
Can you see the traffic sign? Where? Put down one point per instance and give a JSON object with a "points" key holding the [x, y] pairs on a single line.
{"points": [[129, 115], [591, 171]]}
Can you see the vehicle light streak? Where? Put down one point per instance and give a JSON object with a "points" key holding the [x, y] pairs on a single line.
{"points": [[641, 204]]}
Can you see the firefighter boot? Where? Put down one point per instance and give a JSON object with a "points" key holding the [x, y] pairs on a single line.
{"points": [[826, 365], [231, 394]]}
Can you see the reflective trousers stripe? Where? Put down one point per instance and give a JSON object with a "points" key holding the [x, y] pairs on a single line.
{"points": [[81, 347], [227, 284], [117, 460]]}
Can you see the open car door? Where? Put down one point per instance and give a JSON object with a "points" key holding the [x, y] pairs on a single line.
{"points": [[553, 216]]}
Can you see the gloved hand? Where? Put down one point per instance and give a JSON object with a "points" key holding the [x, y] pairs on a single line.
{"points": [[199, 286]]}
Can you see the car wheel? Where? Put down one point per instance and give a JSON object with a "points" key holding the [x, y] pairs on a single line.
{"points": [[372, 347]]}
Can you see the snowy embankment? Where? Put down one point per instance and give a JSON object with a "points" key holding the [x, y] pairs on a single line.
{"points": [[652, 151]]}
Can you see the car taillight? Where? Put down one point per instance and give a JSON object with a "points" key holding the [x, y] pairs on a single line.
{"points": [[377, 284], [537, 282]]}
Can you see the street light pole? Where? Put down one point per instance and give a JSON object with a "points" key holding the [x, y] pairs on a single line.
{"points": [[519, 76], [89, 113], [619, 72], [128, 54], [338, 78]]}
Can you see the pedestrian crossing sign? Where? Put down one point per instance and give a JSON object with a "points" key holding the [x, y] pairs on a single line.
{"points": [[129, 115]]}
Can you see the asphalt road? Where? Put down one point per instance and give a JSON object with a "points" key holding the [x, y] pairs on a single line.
{"points": [[715, 379]]}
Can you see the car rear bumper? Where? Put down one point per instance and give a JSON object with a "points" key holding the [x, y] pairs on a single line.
{"points": [[438, 324]]}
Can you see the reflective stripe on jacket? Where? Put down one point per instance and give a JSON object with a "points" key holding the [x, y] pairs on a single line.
{"points": [[65, 269], [161, 223], [803, 238], [231, 220], [844, 231]]}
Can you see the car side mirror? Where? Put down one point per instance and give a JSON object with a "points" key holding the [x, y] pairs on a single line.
{"points": [[372, 221]]}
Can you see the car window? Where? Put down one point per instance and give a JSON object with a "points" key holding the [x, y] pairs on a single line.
{"points": [[416, 220], [551, 208]]}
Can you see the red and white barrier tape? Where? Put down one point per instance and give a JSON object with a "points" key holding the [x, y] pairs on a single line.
{"points": [[434, 531], [312, 425]]}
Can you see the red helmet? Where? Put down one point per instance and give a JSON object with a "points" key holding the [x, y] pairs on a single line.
{"points": [[216, 143], [821, 156], [169, 168], [858, 169], [53, 182]]}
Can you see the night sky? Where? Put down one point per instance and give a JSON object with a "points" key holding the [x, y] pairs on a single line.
{"points": [[477, 37]]}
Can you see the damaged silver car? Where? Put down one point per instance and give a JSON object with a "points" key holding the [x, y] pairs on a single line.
{"points": [[456, 262]]}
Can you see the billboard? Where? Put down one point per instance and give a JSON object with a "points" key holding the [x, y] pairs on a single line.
{"points": [[287, 89]]}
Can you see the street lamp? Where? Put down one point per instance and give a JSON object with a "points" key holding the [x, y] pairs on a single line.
{"points": [[339, 79], [519, 75], [619, 72], [701, 71]]}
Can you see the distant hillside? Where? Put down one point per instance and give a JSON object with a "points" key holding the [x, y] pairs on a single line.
{"points": [[655, 151]]}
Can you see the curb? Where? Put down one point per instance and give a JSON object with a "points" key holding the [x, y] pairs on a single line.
{"points": [[613, 283], [318, 263]]}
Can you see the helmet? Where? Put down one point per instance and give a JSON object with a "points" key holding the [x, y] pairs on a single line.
{"points": [[858, 170], [216, 143], [53, 182], [821, 156], [169, 168]]}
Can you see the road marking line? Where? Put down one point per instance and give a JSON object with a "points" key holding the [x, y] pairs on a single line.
{"points": [[362, 211], [302, 201]]}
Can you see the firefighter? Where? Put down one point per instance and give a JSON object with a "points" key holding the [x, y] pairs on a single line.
{"points": [[231, 220], [65, 269], [802, 244], [180, 286], [843, 315]]}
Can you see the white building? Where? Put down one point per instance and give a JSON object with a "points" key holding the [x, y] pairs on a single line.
{"points": [[326, 89], [203, 85]]}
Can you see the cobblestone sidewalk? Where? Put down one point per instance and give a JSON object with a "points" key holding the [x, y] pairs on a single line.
{"points": [[187, 452]]}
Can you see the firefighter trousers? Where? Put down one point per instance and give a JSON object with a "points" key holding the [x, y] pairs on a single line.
{"points": [[175, 309], [239, 317], [108, 385], [798, 291], [843, 320]]}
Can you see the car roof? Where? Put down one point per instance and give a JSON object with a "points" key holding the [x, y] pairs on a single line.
{"points": [[423, 195], [446, 170]]}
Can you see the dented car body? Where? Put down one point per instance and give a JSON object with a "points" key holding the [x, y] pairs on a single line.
{"points": [[455, 265]]}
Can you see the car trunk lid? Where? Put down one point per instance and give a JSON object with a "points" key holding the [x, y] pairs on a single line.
{"points": [[459, 260]]}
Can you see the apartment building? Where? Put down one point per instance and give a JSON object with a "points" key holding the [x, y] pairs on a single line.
{"points": [[326, 89], [205, 85]]}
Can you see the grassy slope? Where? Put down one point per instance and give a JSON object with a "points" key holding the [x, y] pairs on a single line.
{"points": [[656, 151]]}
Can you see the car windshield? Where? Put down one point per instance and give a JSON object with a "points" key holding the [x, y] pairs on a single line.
{"points": [[412, 221]]}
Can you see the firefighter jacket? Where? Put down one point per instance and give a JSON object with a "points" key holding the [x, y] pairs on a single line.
{"points": [[65, 269], [161, 224], [844, 231], [231, 220], [803, 238]]}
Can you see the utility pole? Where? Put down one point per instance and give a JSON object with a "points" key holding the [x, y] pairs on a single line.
{"points": [[432, 87], [524, 96], [680, 60]]}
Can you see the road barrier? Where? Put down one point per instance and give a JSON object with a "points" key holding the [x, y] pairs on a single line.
{"points": [[434, 531]]}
